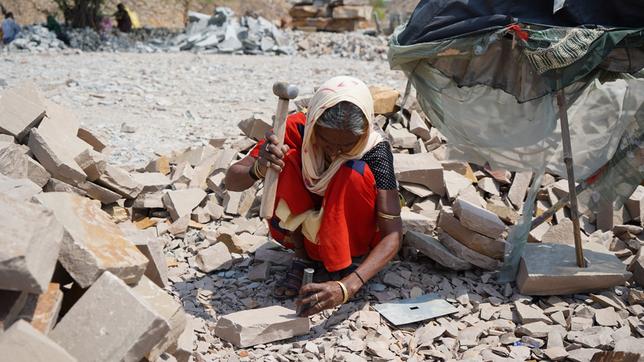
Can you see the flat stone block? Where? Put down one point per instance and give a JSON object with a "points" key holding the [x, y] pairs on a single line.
{"points": [[420, 168], [30, 241], [120, 181], [473, 240], [551, 269], [467, 254], [181, 203], [478, 219], [93, 243], [214, 258], [436, 251], [259, 326], [110, 322], [20, 111], [23, 343]]}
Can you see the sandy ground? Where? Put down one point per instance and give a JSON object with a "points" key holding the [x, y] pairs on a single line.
{"points": [[174, 100]]}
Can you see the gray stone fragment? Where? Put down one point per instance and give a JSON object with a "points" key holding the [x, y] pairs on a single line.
{"points": [[22, 342]]}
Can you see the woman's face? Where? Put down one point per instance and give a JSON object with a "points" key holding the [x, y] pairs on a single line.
{"points": [[335, 142]]}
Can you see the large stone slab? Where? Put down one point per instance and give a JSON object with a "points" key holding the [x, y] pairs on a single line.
{"points": [[23, 343], [20, 110], [384, 99], [213, 258], [255, 127], [93, 243], [98, 192], [30, 241], [152, 181], [467, 254], [120, 181], [551, 269], [259, 326], [19, 189], [92, 162], [519, 188], [455, 183], [55, 155], [418, 126], [43, 311], [494, 248], [478, 219], [635, 204], [181, 202], [152, 248], [420, 168], [436, 251], [163, 304], [416, 222], [92, 139], [110, 322]]}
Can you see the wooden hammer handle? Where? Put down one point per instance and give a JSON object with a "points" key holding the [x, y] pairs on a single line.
{"points": [[270, 181]]}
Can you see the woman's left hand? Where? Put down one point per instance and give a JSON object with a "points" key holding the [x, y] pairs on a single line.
{"points": [[319, 296]]}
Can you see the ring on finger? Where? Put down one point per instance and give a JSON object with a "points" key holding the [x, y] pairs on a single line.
{"points": [[317, 300], [267, 148]]}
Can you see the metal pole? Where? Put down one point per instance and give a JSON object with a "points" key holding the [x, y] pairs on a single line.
{"points": [[567, 151]]}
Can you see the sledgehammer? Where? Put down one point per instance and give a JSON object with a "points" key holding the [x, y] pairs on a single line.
{"points": [[285, 92]]}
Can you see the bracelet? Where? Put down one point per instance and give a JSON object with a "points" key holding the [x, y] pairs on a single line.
{"points": [[251, 172], [388, 216], [256, 171], [345, 292], [359, 277]]}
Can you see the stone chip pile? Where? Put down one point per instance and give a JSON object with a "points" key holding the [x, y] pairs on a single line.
{"points": [[335, 16], [186, 268]]}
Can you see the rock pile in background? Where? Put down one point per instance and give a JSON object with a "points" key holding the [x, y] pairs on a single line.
{"points": [[335, 16]]}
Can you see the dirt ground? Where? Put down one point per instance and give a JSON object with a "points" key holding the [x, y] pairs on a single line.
{"points": [[174, 100]]}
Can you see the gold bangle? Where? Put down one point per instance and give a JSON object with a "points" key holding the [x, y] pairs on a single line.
{"points": [[256, 169], [345, 292], [388, 216]]}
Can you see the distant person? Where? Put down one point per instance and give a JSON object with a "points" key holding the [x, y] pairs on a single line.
{"points": [[123, 20], [54, 26], [10, 29], [105, 26]]}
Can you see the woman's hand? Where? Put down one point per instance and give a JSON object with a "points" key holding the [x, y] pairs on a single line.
{"points": [[270, 154], [318, 297]]}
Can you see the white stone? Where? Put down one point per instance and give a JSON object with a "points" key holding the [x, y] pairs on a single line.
{"points": [[23, 343], [214, 258], [181, 203]]}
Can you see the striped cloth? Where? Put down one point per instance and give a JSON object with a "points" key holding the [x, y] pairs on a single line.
{"points": [[567, 45]]}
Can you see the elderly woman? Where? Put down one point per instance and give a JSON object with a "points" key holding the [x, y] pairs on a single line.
{"points": [[337, 202]]}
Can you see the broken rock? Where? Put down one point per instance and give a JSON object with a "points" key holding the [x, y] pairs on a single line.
{"points": [[216, 257], [22, 342], [475, 241], [421, 168], [181, 203], [92, 243], [120, 181], [467, 254], [20, 111], [478, 219], [29, 245], [260, 326], [436, 251]]}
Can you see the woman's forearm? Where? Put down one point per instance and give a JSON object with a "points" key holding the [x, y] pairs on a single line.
{"points": [[375, 261], [238, 175]]}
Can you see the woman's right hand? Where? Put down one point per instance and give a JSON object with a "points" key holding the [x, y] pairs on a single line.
{"points": [[270, 154]]}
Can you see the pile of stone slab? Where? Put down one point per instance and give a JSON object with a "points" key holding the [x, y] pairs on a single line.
{"points": [[223, 32], [73, 285], [334, 16]]}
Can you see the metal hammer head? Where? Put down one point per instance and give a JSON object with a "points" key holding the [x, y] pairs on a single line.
{"points": [[285, 90]]}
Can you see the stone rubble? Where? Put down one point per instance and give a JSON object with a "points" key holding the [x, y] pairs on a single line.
{"points": [[186, 267]]}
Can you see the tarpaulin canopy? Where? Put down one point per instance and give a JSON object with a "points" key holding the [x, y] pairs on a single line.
{"points": [[487, 74]]}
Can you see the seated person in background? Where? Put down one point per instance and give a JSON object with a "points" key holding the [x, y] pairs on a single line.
{"points": [[337, 199], [10, 29], [123, 21]]}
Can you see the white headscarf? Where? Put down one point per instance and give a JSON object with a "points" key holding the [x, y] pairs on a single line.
{"points": [[332, 92]]}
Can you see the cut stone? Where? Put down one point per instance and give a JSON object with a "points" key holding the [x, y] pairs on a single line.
{"points": [[530, 314], [475, 241], [254, 127], [539, 329], [434, 250], [98, 192], [202, 171], [54, 155], [238, 203], [594, 337], [20, 111], [163, 304], [561, 233], [556, 353], [22, 342], [412, 221], [421, 168], [13, 161], [352, 12], [607, 317], [194, 155], [260, 272], [120, 181], [92, 243], [467, 254], [181, 203], [401, 138], [19, 189], [151, 181], [635, 204], [152, 248], [160, 165], [490, 186], [505, 213], [551, 269], [478, 219], [29, 245], [630, 345], [418, 126], [216, 257], [42, 310], [92, 163], [36, 173], [455, 183], [519, 188], [131, 329], [583, 354], [216, 183], [260, 326], [149, 201], [90, 138], [384, 99]]}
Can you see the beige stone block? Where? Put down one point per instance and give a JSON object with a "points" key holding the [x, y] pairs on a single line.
{"points": [[100, 193], [260, 326], [111, 322], [213, 258], [416, 222], [160, 165], [93, 163], [36, 173], [92, 139], [494, 248], [467, 254], [434, 250], [151, 181], [92, 243], [19, 189], [24, 343], [352, 12], [455, 183], [401, 137], [478, 219], [418, 126], [421, 169], [54, 155], [152, 248], [384, 99], [519, 188], [255, 127], [181, 203], [635, 204], [120, 181], [29, 245], [20, 111]]}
